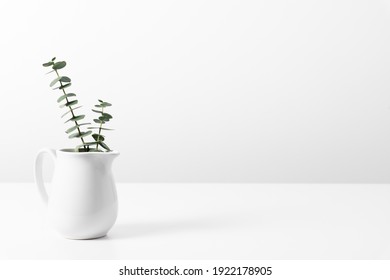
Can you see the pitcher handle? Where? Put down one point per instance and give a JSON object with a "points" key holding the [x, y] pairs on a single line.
{"points": [[39, 174]]}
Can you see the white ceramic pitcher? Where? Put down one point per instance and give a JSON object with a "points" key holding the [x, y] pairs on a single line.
{"points": [[83, 202]]}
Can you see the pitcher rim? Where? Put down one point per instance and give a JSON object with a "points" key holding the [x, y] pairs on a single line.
{"points": [[70, 151]]}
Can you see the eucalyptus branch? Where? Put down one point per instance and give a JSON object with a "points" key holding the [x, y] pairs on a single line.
{"points": [[65, 82], [103, 119], [70, 108]]}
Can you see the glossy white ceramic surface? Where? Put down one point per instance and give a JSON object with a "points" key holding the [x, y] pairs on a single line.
{"points": [[83, 201]]}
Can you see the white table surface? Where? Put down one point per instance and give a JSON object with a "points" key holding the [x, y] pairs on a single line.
{"points": [[212, 221]]}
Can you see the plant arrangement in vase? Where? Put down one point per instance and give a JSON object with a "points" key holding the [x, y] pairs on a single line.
{"points": [[83, 202], [69, 101]]}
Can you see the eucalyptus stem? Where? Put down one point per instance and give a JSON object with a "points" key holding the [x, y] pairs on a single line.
{"points": [[71, 110], [100, 130]]}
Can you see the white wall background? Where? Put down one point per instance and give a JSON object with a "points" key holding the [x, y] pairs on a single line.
{"points": [[206, 91]]}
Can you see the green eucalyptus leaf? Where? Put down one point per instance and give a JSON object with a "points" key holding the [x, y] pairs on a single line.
{"points": [[70, 111], [104, 119], [106, 104], [98, 137], [55, 81], [65, 86], [104, 146], [96, 111], [70, 103], [62, 97], [98, 121], [54, 58], [65, 79], [76, 118], [101, 101], [79, 135], [74, 135], [59, 65], [108, 116], [81, 124], [103, 105], [61, 78], [47, 64], [69, 130], [96, 127], [85, 134]]}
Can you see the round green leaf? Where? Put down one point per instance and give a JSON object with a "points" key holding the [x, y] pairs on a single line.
{"points": [[103, 105], [47, 64], [96, 127], [98, 137], [55, 81], [74, 135], [76, 118], [98, 121], [104, 146], [70, 111], [70, 103], [79, 135], [81, 124], [69, 130], [106, 104], [108, 116], [65, 86], [104, 119], [65, 79], [85, 134], [59, 65], [62, 97]]}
